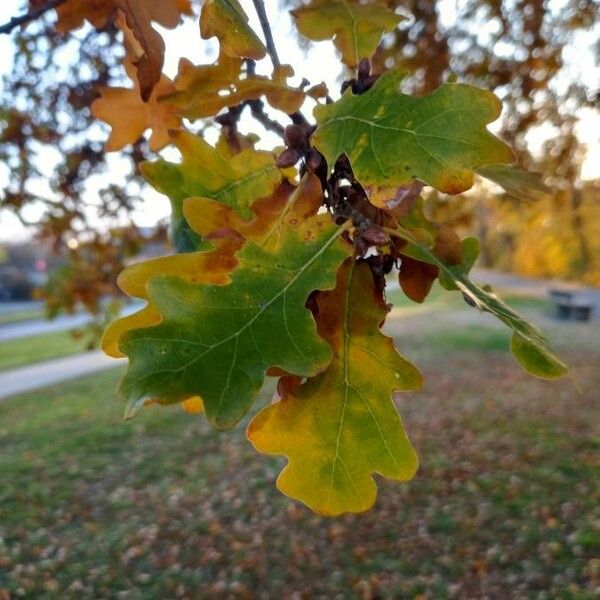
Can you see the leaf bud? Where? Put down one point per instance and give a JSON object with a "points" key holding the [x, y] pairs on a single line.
{"points": [[288, 158], [364, 68], [375, 236], [314, 160], [295, 136]]}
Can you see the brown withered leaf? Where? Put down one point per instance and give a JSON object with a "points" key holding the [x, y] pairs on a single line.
{"points": [[138, 15], [73, 13], [416, 278], [150, 54]]}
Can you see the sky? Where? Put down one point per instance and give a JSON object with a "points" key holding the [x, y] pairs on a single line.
{"points": [[321, 62]]}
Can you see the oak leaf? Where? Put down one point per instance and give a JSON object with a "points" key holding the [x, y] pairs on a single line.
{"points": [[234, 180], [340, 427], [356, 27], [204, 90], [128, 116], [392, 138], [139, 15], [528, 345], [217, 342], [227, 20]]}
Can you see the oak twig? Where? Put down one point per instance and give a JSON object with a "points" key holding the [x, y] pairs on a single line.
{"points": [[259, 6], [29, 16], [257, 109]]}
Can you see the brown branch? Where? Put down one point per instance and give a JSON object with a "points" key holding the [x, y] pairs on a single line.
{"points": [[257, 109], [32, 15], [259, 6]]}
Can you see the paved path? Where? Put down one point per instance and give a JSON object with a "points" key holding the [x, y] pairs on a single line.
{"points": [[31, 377], [11, 331], [11, 306]]}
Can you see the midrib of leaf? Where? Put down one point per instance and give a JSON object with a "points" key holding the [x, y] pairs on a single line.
{"points": [[412, 132], [238, 182], [346, 337], [263, 308], [347, 386]]}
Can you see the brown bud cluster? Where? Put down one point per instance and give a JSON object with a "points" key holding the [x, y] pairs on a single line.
{"points": [[364, 80], [297, 140]]}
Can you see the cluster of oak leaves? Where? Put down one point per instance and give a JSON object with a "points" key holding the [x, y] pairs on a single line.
{"points": [[282, 256]]}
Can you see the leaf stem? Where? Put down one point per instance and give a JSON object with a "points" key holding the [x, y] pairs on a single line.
{"points": [[259, 6], [29, 16]]}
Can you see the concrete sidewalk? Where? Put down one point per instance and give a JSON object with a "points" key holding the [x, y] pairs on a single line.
{"points": [[31, 377], [11, 331]]}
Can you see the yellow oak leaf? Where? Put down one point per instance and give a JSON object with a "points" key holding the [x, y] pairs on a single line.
{"points": [[204, 90], [340, 427], [227, 20]]}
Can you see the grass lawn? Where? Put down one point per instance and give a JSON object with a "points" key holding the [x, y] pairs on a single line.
{"points": [[18, 316], [27, 350], [504, 505]]}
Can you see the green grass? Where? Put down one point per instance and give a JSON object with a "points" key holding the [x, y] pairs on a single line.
{"points": [[18, 316], [28, 350], [163, 507]]}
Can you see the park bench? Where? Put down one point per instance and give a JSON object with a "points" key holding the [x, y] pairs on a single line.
{"points": [[570, 305]]}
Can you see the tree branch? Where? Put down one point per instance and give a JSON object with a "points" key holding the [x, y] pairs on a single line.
{"points": [[257, 108], [32, 15], [259, 6]]}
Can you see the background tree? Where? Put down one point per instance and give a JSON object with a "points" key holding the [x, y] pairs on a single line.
{"points": [[517, 49]]}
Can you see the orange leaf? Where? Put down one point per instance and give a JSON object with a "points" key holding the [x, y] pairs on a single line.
{"points": [[138, 14], [416, 278], [128, 116]]}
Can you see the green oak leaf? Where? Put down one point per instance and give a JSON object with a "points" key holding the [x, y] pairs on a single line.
{"points": [[217, 342], [227, 20], [355, 26], [517, 182], [205, 172], [528, 345], [391, 138]]}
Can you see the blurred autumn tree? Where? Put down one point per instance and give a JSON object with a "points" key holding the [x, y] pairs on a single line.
{"points": [[516, 48], [52, 148]]}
